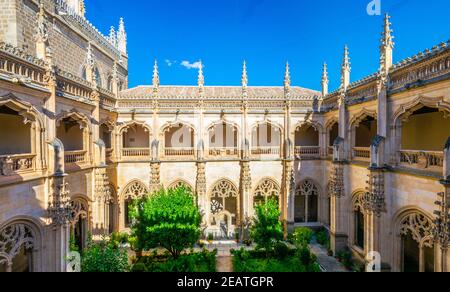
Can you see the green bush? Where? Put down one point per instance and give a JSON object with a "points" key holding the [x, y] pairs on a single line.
{"points": [[168, 218], [345, 257], [204, 262], [302, 236], [267, 229], [322, 237], [104, 257], [281, 250]]}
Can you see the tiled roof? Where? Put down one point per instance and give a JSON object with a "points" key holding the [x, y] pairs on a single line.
{"points": [[217, 92]]}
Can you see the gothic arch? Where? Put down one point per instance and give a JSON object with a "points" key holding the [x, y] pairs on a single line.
{"points": [[181, 182], [269, 122], [134, 190], [406, 110], [358, 200], [18, 233], [330, 122], [317, 126], [360, 116], [223, 188], [307, 201], [419, 225], [169, 125], [77, 116], [29, 113], [123, 128], [267, 188], [222, 122], [79, 209], [224, 200]]}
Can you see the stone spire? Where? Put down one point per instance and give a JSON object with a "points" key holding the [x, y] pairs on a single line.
{"points": [[325, 80], [201, 78], [122, 37], [41, 36], [287, 77], [345, 70], [386, 47], [113, 36], [155, 77], [244, 75], [244, 80]]}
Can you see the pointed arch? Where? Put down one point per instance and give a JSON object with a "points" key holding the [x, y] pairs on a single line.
{"points": [[135, 189], [76, 116], [405, 111], [315, 125], [306, 203], [124, 127], [26, 110], [360, 116], [181, 183], [17, 235], [266, 189]]}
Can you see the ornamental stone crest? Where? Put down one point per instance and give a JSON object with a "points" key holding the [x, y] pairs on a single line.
{"points": [[135, 190], [420, 227], [374, 199]]}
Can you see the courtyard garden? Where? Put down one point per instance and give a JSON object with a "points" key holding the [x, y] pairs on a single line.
{"points": [[166, 236]]}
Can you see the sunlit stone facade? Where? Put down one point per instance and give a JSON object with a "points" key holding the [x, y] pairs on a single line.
{"points": [[370, 161]]}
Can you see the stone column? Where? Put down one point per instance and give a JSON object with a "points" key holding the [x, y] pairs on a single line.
{"points": [[200, 189], [155, 181], [287, 195], [247, 209], [374, 205], [102, 197], [59, 211], [338, 236]]}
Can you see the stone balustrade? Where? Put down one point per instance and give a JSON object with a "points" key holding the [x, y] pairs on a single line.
{"points": [[76, 157], [272, 150], [217, 152], [136, 152], [179, 152], [423, 160], [17, 164], [361, 153], [307, 152]]}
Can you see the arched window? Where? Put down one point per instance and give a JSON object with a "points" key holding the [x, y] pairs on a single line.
{"points": [[307, 143], [223, 140], [416, 232], [79, 223], [181, 183], [224, 203], [98, 77], [306, 202], [133, 191], [113, 210], [266, 189], [266, 139], [179, 140], [359, 221], [17, 242]]}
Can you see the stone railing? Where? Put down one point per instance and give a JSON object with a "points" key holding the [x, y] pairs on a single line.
{"points": [[20, 66], [218, 152], [17, 164], [107, 98], [430, 64], [361, 153], [179, 152], [274, 150], [307, 152], [422, 160], [76, 157], [74, 86], [136, 152]]}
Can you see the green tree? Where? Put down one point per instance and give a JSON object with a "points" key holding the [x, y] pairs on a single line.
{"points": [[267, 229], [104, 257], [168, 218]]}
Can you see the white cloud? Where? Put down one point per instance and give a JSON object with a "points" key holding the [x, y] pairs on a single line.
{"points": [[189, 65], [170, 62]]}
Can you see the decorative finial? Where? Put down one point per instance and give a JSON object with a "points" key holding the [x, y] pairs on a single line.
{"points": [[122, 37], [244, 75], [345, 70], [201, 78], [113, 36], [287, 76], [325, 80], [155, 76], [386, 47]]}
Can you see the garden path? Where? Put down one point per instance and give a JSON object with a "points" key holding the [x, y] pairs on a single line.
{"points": [[328, 264]]}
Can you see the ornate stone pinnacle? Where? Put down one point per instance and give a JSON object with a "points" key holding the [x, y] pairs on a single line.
{"points": [[346, 60], [387, 39], [287, 76], [244, 75], [201, 78], [155, 76]]}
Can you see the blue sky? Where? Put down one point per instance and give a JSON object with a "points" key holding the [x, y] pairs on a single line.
{"points": [[266, 33]]}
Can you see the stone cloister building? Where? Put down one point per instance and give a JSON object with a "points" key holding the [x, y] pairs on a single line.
{"points": [[369, 161]]}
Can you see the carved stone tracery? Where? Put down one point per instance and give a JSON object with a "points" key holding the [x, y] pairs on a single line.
{"points": [[419, 227], [12, 239], [134, 190]]}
